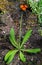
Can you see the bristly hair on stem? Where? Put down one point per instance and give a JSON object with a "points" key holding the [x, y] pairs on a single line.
{"points": [[20, 31]]}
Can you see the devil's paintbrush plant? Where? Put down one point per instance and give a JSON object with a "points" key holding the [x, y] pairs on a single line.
{"points": [[19, 47]]}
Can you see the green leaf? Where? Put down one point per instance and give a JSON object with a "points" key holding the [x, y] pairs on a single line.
{"points": [[7, 55], [13, 43], [22, 57], [33, 5], [32, 50], [12, 33], [12, 37], [40, 31], [40, 19], [40, 3], [26, 37], [10, 55]]}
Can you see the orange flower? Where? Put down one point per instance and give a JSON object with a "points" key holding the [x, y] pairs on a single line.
{"points": [[23, 7]]}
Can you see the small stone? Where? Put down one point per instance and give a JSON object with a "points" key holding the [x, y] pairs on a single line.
{"points": [[18, 58], [4, 32], [32, 59], [25, 46], [4, 52], [24, 24]]}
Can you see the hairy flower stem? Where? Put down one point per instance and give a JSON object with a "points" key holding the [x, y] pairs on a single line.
{"points": [[20, 31]]}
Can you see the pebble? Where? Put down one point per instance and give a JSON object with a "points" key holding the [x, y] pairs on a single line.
{"points": [[32, 59], [4, 52], [4, 32]]}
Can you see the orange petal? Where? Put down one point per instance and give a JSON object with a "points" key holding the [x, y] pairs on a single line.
{"points": [[26, 6], [23, 8]]}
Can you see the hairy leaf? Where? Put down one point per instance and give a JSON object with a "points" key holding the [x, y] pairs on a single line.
{"points": [[12, 37], [32, 50], [12, 33], [22, 57], [13, 43], [10, 55], [26, 37]]}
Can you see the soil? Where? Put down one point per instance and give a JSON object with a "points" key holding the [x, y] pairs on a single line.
{"points": [[29, 21]]}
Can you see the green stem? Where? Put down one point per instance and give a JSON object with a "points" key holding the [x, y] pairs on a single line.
{"points": [[20, 31]]}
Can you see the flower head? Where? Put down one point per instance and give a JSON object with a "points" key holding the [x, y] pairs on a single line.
{"points": [[23, 7]]}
